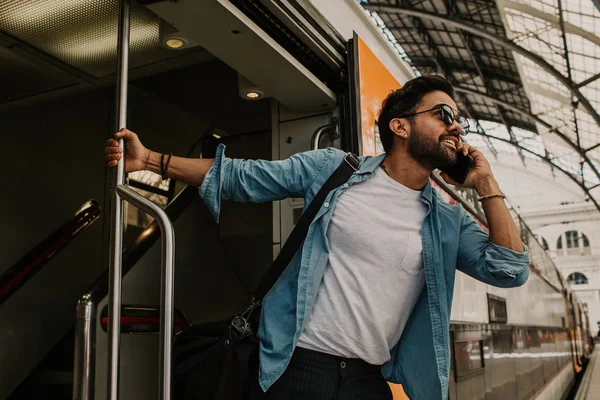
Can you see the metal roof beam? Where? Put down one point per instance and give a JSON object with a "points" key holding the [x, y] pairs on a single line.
{"points": [[550, 18], [534, 117], [494, 38], [569, 74], [588, 80], [486, 138], [552, 165], [439, 64], [461, 68], [475, 60], [592, 148]]}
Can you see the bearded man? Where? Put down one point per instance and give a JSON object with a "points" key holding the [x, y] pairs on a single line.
{"points": [[368, 297]]}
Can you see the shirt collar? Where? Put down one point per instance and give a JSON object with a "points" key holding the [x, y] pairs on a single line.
{"points": [[369, 164]]}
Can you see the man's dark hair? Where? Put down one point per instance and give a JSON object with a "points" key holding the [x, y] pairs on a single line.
{"points": [[405, 101]]}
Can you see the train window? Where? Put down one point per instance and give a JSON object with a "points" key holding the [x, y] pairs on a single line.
{"points": [[468, 358], [497, 309]]}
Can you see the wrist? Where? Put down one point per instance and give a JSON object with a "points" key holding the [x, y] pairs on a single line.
{"points": [[153, 164], [146, 159], [486, 185]]}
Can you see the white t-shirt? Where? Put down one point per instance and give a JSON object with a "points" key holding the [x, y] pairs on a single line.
{"points": [[374, 274]]}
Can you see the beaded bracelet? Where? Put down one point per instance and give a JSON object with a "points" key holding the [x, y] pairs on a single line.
{"points": [[162, 166], [489, 196], [164, 174]]}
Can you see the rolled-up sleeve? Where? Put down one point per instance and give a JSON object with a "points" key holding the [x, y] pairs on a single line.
{"points": [[259, 180], [488, 262]]}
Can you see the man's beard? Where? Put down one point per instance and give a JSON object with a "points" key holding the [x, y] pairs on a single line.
{"points": [[429, 153]]}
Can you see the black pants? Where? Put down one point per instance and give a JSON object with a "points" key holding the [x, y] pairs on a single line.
{"points": [[317, 376]]}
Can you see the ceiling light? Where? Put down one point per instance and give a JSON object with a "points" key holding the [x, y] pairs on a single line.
{"points": [[254, 95], [249, 90], [175, 43], [173, 39]]}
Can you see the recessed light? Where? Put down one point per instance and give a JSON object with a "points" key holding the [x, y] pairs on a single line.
{"points": [[254, 95], [175, 43]]}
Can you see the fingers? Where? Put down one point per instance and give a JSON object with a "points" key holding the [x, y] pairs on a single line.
{"points": [[112, 157], [112, 149], [126, 134], [112, 152], [446, 178], [466, 149]]}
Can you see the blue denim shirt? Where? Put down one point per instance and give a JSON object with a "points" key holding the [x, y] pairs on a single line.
{"points": [[451, 240]]}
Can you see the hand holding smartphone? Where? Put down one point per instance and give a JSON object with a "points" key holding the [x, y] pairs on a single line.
{"points": [[459, 171]]}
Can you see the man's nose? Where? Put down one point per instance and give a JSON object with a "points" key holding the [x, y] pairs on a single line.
{"points": [[455, 128]]}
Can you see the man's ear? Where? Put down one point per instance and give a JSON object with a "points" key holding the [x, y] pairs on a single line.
{"points": [[400, 127]]}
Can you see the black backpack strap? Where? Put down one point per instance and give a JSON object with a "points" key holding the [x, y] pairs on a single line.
{"points": [[348, 166]]}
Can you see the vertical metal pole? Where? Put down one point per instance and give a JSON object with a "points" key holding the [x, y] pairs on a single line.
{"points": [[116, 239], [84, 370]]}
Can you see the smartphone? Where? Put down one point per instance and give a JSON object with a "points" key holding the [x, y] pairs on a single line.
{"points": [[459, 171]]}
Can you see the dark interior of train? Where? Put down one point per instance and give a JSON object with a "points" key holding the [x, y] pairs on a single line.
{"points": [[55, 118]]}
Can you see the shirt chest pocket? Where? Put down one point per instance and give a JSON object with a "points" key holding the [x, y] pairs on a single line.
{"points": [[412, 262]]}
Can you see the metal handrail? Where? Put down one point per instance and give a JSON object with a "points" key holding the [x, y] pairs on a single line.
{"points": [[33, 262], [316, 137], [87, 306], [167, 284], [86, 311]]}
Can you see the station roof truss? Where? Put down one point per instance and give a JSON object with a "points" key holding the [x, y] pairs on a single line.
{"points": [[529, 66]]}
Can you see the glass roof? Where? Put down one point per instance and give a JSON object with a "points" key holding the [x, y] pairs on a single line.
{"points": [[565, 34]]}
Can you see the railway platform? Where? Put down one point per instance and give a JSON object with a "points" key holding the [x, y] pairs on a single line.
{"points": [[589, 389]]}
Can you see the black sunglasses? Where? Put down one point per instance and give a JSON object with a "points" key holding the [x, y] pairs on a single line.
{"points": [[448, 115]]}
